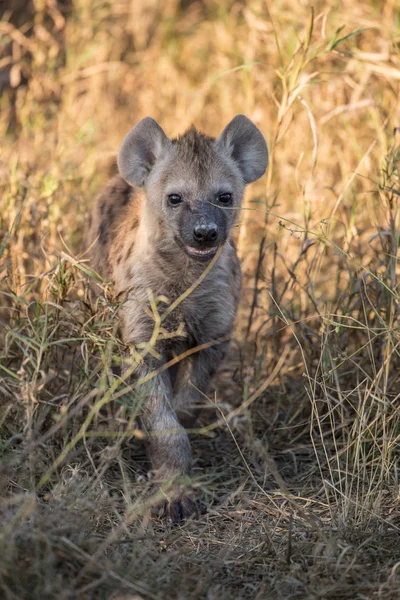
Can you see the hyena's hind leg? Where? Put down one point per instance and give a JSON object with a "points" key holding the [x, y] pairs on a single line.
{"points": [[167, 445], [193, 381]]}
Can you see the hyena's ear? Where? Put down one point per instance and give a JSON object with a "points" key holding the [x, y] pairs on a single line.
{"points": [[140, 149], [244, 142]]}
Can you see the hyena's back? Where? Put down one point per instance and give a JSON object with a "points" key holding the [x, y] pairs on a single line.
{"points": [[115, 204]]}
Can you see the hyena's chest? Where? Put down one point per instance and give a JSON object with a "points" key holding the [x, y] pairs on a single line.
{"points": [[209, 313]]}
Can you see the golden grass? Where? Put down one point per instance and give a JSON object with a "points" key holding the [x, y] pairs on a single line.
{"points": [[297, 455]]}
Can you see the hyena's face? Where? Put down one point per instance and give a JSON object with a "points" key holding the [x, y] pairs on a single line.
{"points": [[196, 194], [194, 184]]}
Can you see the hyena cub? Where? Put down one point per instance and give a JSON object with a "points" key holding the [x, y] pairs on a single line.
{"points": [[157, 226]]}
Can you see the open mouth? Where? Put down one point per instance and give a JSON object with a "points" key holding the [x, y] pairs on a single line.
{"points": [[201, 253]]}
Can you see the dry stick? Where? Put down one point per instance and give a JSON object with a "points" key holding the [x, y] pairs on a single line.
{"points": [[257, 278], [182, 356], [18, 37], [314, 134], [345, 108], [289, 546], [90, 71]]}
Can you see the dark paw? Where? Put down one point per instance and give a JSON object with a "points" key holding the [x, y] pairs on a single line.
{"points": [[182, 509], [178, 509]]}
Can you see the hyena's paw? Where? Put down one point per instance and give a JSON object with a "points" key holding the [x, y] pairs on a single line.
{"points": [[178, 507]]}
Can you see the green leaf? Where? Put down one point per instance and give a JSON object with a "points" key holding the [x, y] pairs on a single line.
{"points": [[336, 40]]}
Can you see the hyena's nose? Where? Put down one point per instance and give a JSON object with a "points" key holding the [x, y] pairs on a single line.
{"points": [[205, 232]]}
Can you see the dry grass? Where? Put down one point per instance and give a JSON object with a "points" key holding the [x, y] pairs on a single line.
{"points": [[297, 459]]}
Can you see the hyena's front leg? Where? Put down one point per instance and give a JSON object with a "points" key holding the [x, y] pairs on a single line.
{"points": [[168, 444]]}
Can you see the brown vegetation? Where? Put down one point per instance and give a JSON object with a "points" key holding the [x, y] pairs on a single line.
{"points": [[301, 439]]}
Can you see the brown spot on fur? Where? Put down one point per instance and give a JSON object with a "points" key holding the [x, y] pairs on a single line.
{"points": [[129, 250], [126, 196], [103, 234]]}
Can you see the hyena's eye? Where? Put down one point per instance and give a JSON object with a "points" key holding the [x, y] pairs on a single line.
{"points": [[225, 199], [174, 199]]}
